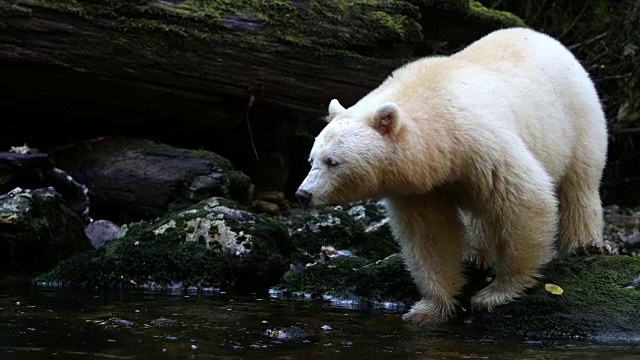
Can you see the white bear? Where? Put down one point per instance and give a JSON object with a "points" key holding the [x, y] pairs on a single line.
{"points": [[503, 144]]}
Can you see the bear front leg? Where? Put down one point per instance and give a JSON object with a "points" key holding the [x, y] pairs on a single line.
{"points": [[430, 234], [524, 214]]}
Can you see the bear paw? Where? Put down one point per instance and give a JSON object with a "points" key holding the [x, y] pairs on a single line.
{"points": [[491, 297], [594, 249], [426, 312]]}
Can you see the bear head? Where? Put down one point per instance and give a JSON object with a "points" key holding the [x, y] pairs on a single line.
{"points": [[352, 156]]}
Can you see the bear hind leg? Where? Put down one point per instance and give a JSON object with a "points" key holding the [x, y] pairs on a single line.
{"points": [[581, 218], [480, 241]]}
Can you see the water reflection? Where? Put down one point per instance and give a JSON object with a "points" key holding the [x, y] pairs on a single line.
{"points": [[40, 323]]}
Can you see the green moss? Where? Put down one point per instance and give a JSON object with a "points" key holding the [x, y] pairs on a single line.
{"points": [[390, 22], [354, 278], [338, 25], [327, 228], [493, 17], [238, 186], [597, 299], [253, 9], [449, 5]]}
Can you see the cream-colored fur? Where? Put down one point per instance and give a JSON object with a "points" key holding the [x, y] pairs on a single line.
{"points": [[491, 152]]}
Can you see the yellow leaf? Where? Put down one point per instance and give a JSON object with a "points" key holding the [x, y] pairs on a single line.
{"points": [[554, 289]]}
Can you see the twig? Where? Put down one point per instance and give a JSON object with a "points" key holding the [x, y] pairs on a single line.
{"points": [[588, 41], [252, 100]]}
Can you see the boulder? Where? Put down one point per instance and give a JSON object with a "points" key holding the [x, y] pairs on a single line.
{"points": [[133, 179], [37, 231]]}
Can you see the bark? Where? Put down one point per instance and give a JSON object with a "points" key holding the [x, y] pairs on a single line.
{"points": [[140, 64]]}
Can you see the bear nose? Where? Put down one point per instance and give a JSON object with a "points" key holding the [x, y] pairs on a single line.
{"points": [[303, 196]]}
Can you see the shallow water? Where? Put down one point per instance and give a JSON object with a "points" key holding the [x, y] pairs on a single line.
{"points": [[45, 323]]}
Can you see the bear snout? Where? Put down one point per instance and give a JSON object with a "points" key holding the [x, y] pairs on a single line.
{"points": [[304, 197]]}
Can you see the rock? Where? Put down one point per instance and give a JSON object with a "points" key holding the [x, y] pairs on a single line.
{"points": [[354, 279], [622, 230], [266, 207], [101, 232], [361, 228], [132, 179], [215, 243], [599, 302], [287, 333], [37, 231], [275, 197]]}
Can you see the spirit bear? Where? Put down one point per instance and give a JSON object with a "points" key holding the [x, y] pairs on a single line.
{"points": [[494, 151]]}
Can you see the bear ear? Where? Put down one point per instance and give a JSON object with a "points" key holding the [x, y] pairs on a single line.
{"points": [[335, 108], [386, 119]]}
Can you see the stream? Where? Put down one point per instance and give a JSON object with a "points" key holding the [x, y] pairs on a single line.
{"points": [[54, 323]]}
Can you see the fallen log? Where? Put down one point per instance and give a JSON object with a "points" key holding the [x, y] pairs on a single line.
{"points": [[243, 78], [178, 60]]}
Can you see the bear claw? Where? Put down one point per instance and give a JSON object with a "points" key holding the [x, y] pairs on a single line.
{"points": [[594, 249]]}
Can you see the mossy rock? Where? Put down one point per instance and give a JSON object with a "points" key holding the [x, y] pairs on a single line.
{"points": [[601, 295], [37, 231], [213, 244], [362, 229], [354, 278], [601, 300]]}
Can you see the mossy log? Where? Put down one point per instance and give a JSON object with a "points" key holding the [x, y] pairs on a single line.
{"points": [[118, 66]]}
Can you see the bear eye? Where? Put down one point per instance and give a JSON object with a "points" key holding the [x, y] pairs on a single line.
{"points": [[331, 162]]}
